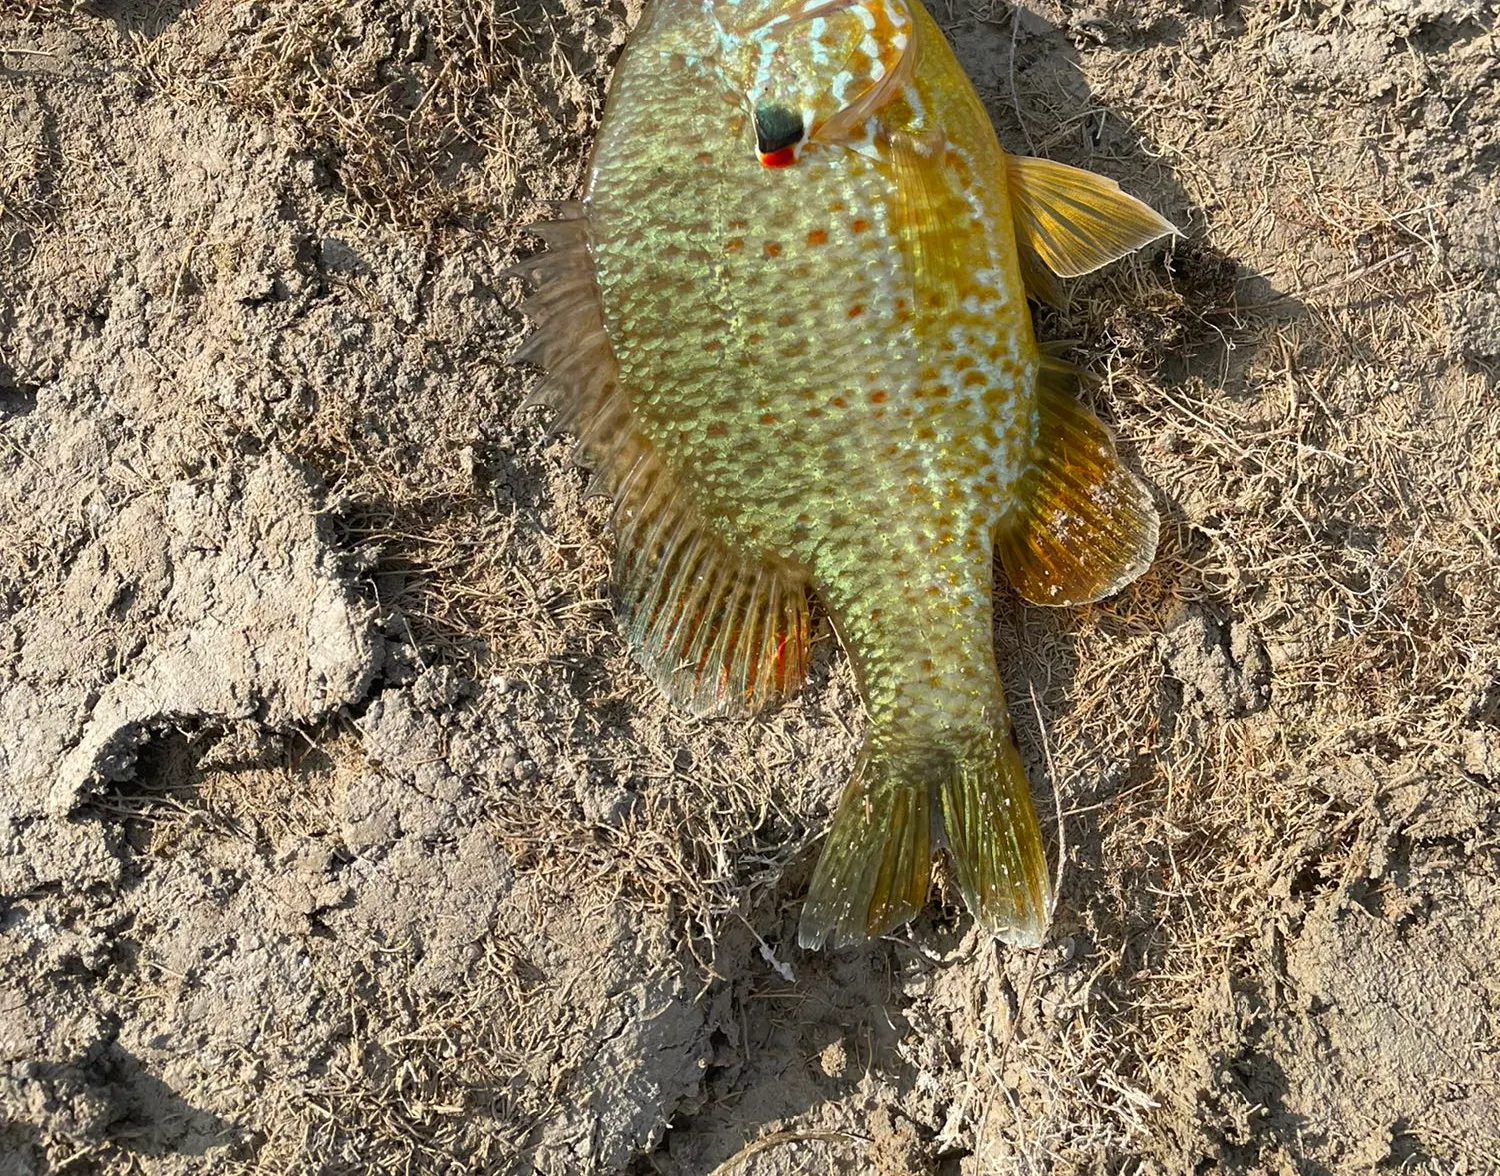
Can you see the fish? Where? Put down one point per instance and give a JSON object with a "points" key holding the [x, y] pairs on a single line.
{"points": [[788, 323]]}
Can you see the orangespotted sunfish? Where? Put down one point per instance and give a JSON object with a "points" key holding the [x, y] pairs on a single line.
{"points": [[788, 323]]}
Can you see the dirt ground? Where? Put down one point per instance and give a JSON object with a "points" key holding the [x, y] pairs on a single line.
{"points": [[338, 831]]}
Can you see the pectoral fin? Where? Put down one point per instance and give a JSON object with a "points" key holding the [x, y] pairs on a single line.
{"points": [[1070, 222], [1086, 526], [928, 208]]}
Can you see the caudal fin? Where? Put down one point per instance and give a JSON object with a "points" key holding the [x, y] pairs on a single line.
{"points": [[898, 808], [991, 831]]}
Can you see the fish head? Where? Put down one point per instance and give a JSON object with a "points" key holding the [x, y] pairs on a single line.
{"points": [[813, 71]]}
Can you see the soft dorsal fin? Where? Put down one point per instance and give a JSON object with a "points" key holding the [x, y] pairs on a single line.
{"points": [[1070, 222], [1086, 525], [716, 631]]}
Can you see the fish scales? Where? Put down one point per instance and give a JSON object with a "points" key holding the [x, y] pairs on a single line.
{"points": [[822, 375], [913, 456]]}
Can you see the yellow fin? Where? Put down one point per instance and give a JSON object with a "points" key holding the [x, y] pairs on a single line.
{"points": [[1086, 526], [927, 210], [877, 862], [992, 834], [715, 631], [1040, 282], [1070, 222]]}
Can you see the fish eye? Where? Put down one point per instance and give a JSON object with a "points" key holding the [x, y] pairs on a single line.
{"points": [[779, 131]]}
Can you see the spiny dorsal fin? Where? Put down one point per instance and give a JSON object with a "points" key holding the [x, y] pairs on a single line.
{"points": [[1070, 222], [715, 631], [1086, 525]]}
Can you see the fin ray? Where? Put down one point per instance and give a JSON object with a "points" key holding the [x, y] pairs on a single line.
{"points": [[901, 806], [996, 844], [1086, 526], [1070, 222], [928, 208], [717, 631], [876, 864]]}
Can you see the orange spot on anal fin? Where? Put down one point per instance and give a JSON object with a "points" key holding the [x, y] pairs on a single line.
{"points": [[784, 157]]}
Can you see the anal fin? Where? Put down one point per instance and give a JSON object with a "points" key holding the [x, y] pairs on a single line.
{"points": [[718, 631], [1085, 526], [1070, 222]]}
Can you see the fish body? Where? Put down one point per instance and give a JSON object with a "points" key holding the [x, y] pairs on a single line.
{"points": [[789, 322]]}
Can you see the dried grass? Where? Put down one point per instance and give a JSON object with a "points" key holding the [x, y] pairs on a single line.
{"points": [[430, 116], [1295, 440]]}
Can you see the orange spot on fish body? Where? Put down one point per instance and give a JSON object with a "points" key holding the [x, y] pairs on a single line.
{"points": [[818, 237], [879, 396], [859, 225], [734, 244], [856, 310], [773, 249]]}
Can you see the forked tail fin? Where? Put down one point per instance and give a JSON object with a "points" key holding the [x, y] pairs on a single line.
{"points": [[901, 806]]}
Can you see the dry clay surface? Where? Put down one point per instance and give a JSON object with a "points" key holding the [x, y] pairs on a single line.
{"points": [[338, 832]]}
